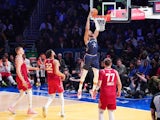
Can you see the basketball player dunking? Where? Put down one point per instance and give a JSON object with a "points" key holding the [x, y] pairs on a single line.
{"points": [[91, 58], [54, 79], [23, 82], [109, 81]]}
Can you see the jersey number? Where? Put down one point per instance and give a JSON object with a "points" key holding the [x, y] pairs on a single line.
{"points": [[49, 67], [110, 79]]}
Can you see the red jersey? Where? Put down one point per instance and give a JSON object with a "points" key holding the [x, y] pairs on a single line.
{"points": [[24, 73], [54, 81], [108, 89], [50, 68], [109, 81]]}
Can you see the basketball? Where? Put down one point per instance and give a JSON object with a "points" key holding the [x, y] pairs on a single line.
{"points": [[107, 17], [94, 12]]}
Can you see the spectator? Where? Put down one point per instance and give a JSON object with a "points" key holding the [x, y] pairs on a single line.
{"points": [[62, 62], [40, 74], [118, 46], [121, 68], [5, 68]]}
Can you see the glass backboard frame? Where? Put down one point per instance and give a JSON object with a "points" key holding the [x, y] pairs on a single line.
{"points": [[114, 18]]}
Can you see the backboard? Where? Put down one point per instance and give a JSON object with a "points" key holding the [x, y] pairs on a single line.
{"points": [[120, 10]]}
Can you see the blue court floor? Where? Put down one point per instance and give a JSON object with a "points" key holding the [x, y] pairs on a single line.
{"points": [[142, 104]]}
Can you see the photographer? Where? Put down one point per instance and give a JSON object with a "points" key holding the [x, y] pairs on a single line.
{"points": [[138, 81]]}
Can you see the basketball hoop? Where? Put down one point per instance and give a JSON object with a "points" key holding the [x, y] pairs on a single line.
{"points": [[101, 20]]}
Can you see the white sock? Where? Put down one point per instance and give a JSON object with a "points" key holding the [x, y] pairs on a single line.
{"points": [[111, 114], [101, 116], [83, 76], [62, 102], [21, 95], [10, 78], [95, 79], [29, 92], [50, 99]]}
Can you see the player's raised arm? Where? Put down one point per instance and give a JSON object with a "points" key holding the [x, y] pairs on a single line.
{"points": [[96, 32], [119, 84], [87, 29], [57, 72]]}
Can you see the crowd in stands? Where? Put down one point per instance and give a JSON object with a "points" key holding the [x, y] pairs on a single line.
{"points": [[134, 48], [14, 17]]}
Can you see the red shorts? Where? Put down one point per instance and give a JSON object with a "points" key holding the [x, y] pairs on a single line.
{"points": [[20, 85], [55, 85], [5, 74], [108, 102]]}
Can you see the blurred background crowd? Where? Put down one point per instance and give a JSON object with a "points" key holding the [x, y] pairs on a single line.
{"points": [[134, 47]]}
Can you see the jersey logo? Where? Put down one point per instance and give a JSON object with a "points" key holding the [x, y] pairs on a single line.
{"points": [[94, 45]]}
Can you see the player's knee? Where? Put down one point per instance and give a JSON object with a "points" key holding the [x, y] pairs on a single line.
{"points": [[81, 82], [101, 111], [95, 70], [52, 96]]}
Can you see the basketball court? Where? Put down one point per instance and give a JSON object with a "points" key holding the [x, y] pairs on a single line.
{"points": [[84, 109]]}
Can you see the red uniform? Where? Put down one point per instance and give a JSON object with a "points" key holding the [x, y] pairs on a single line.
{"points": [[108, 89], [24, 73], [54, 81], [5, 74]]}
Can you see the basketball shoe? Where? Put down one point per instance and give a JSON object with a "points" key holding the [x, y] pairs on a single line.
{"points": [[11, 109], [31, 111]]}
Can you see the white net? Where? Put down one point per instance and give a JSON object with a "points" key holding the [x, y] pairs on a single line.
{"points": [[101, 23]]}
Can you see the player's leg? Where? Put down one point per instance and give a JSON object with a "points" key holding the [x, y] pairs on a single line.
{"points": [[101, 106], [95, 68], [62, 103], [11, 107], [49, 101], [83, 76], [111, 108], [111, 115], [86, 66], [95, 78], [30, 110], [12, 81], [82, 79], [101, 114]]}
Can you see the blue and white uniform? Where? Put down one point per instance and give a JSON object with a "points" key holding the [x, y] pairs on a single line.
{"points": [[91, 57]]}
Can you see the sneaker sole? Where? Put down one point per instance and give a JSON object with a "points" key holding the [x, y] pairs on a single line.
{"points": [[11, 111]]}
